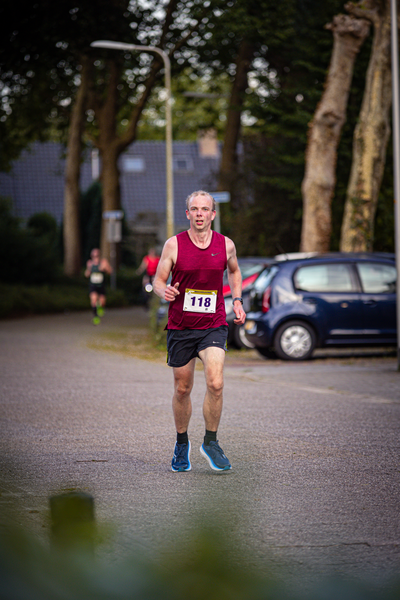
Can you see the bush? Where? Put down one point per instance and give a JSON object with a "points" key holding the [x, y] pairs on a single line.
{"points": [[27, 255], [18, 300], [43, 225], [131, 284]]}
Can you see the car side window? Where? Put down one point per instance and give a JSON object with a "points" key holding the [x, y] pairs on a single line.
{"points": [[377, 278], [329, 277]]}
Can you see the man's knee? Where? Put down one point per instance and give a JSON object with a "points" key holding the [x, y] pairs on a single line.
{"points": [[215, 385], [182, 389]]}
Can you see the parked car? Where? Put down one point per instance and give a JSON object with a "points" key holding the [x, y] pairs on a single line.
{"points": [[250, 268], [323, 300]]}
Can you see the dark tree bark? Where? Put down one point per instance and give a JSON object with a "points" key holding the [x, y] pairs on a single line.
{"points": [[324, 133], [71, 225], [228, 165]]}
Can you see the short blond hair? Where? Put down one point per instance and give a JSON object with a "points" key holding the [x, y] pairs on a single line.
{"points": [[199, 193]]}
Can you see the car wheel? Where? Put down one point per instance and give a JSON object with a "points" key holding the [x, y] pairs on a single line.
{"points": [[294, 340], [239, 338]]}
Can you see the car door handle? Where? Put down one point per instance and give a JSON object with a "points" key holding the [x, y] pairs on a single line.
{"points": [[370, 302]]}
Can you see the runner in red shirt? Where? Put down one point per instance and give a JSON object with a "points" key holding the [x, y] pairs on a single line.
{"points": [[148, 264], [197, 324]]}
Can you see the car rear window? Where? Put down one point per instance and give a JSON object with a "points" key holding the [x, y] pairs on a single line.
{"points": [[246, 269], [330, 277], [377, 278], [265, 278]]}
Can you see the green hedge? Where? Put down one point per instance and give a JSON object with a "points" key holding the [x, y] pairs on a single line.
{"points": [[130, 284], [20, 300], [29, 254], [66, 294]]}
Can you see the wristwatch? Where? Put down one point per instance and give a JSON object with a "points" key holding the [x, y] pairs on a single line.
{"points": [[234, 300]]}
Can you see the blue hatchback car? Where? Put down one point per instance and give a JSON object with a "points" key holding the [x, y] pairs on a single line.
{"points": [[334, 299]]}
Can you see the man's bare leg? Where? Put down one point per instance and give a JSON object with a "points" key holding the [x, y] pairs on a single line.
{"points": [[93, 299], [181, 401], [213, 360], [182, 409], [93, 303]]}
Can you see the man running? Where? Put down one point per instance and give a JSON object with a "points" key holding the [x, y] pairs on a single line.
{"points": [[148, 264], [197, 326], [96, 267]]}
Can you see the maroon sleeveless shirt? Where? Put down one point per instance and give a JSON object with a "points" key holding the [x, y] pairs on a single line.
{"points": [[198, 269]]}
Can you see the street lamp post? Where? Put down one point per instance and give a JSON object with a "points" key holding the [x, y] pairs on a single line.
{"points": [[168, 117]]}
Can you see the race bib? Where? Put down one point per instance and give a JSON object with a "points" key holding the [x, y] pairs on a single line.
{"points": [[200, 301], [96, 278]]}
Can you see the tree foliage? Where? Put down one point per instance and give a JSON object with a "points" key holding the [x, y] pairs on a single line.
{"points": [[41, 46]]}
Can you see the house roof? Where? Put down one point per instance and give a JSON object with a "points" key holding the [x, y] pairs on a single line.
{"points": [[36, 181]]}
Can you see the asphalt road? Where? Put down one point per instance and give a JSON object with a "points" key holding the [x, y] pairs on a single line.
{"points": [[314, 488]]}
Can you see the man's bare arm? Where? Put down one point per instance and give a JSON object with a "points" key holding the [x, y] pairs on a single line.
{"points": [[87, 270], [235, 281], [165, 265], [105, 266]]}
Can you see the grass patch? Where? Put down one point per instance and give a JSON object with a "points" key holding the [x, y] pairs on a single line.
{"points": [[134, 343], [148, 342]]}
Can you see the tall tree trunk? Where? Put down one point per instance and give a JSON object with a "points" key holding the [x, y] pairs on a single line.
{"points": [[324, 134], [371, 134], [228, 165], [71, 225], [108, 145], [111, 191]]}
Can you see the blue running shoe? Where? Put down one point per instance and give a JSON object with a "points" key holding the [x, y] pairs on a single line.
{"points": [[181, 458], [215, 456]]}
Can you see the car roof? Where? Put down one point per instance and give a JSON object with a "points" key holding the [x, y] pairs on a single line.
{"points": [[254, 259], [311, 256]]}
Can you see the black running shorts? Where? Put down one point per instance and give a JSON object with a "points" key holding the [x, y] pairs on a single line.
{"points": [[185, 344], [99, 289]]}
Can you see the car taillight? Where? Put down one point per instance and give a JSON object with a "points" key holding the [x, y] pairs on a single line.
{"points": [[266, 305]]}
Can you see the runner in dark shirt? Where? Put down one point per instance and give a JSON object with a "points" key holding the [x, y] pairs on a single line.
{"points": [[96, 268]]}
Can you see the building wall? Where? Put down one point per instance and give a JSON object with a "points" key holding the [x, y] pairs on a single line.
{"points": [[36, 181]]}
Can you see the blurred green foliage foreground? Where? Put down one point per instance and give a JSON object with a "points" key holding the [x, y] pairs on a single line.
{"points": [[206, 567]]}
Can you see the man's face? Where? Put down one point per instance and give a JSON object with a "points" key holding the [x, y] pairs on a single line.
{"points": [[200, 213]]}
